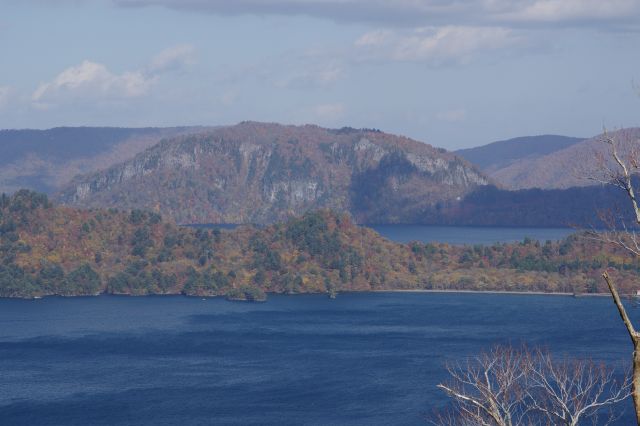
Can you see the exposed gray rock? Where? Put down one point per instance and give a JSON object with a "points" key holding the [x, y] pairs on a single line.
{"points": [[261, 173]]}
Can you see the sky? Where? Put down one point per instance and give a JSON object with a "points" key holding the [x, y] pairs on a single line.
{"points": [[453, 73]]}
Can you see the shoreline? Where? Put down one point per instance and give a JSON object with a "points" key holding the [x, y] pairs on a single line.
{"points": [[417, 290], [531, 293]]}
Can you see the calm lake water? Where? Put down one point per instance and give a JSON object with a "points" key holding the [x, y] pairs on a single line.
{"points": [[362, 359], [454, 234]]}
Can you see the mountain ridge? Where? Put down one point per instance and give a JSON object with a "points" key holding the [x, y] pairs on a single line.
{"points": [[264, 172], [45, 160], [569, 167], [547, 161], [495, 156]]}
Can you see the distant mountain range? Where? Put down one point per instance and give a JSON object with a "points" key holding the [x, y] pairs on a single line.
{"points": [[565, 168], [546, 162], [496, 156], [45, 160], [262, 173]]}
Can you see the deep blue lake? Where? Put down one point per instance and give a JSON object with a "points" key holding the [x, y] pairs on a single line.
{"points": [[486, 235], [361, 359]]}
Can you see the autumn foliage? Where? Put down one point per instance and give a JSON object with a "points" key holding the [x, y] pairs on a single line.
{"points": [[47, 249]]}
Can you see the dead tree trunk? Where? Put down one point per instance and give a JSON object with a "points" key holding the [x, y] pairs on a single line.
{"points": [[618, 171], [635, 339], [635, 384]]}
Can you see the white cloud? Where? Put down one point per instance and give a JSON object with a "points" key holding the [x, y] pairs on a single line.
{"points": [[94, 81], [311, 75], [435, 46], [91, 80], [452, 116], [374, 38], [172, 58]]}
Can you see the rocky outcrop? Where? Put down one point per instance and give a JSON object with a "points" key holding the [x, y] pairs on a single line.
{"points": [[261, 173]]}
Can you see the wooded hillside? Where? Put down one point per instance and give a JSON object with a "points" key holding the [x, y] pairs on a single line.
{"points": [[45, 250]]}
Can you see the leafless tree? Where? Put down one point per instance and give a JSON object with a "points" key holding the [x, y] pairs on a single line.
{"points": [[489, 390], [507, 386], [569, 391], [618, 166]]}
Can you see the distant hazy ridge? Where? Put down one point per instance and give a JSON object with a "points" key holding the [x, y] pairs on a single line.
{"points": [[496, 156], [547, 162], [45, 160]]}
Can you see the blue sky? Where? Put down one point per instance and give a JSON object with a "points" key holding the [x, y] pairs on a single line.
{"points": [[454, 73]]}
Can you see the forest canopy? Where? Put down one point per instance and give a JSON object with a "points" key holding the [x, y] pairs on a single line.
{"points": [[54, 250]]}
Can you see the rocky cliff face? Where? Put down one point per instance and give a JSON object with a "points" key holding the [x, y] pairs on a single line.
{"points": [[261, 173]]}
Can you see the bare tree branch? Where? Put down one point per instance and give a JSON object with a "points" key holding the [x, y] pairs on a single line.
{"points": [[507, 387], [619, 171]]}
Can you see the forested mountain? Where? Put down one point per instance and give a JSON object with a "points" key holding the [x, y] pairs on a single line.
{"points": [[44, 160], [496, 156], [546, 162], [564, 168], [47, 250], [262, 173]]}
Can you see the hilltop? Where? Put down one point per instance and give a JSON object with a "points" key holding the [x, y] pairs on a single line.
{"points": [[263, 173], [565, 168], [494, 157], [545, 162], [47, 249]]}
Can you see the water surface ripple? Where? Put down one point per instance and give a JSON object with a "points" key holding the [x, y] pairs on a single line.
{"points": [[362, 359]]}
